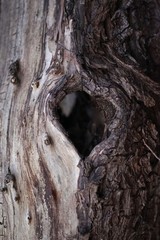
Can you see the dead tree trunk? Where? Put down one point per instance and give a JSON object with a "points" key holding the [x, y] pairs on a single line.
{"points": [[92, 172]]}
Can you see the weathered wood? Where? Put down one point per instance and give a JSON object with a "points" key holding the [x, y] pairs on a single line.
{"points": [[110, 50], [40, 177]]}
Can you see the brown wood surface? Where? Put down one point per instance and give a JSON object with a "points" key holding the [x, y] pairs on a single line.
{"points": [[110, 50]]}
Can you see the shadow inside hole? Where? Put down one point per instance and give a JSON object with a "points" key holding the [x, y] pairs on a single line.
{"points": [[82, 120]]}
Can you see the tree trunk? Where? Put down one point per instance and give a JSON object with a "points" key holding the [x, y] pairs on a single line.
{"points": [[104, 183]]}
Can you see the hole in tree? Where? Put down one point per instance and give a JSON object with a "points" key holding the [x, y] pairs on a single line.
{"points": [[82, 120]]}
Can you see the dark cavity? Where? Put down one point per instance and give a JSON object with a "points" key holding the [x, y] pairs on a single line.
{"points": [[82, 120]]}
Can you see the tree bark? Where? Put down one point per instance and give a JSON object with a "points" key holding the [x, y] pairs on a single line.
{"points": [[109, 50]]}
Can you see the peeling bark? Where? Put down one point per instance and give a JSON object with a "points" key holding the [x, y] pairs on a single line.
{"points": [[109, 50]]}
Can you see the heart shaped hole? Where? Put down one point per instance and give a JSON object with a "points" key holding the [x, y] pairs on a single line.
{"points": [[82, 120]]}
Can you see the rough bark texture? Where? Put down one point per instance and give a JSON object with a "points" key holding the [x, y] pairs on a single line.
{"points": [[110, 50]]}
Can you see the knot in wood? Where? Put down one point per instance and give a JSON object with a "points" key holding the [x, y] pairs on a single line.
{"points": [[13, 71], [47, 140], [35, 84], [4, 189], [29, 217], [9, 178], [14, 80], [14, 67], [17, 198]]}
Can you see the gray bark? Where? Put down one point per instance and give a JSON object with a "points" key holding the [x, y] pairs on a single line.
{"points": [[110, 50], [39, 176]]}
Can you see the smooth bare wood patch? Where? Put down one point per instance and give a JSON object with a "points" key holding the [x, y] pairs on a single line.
{"points": [[39, 164]]}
